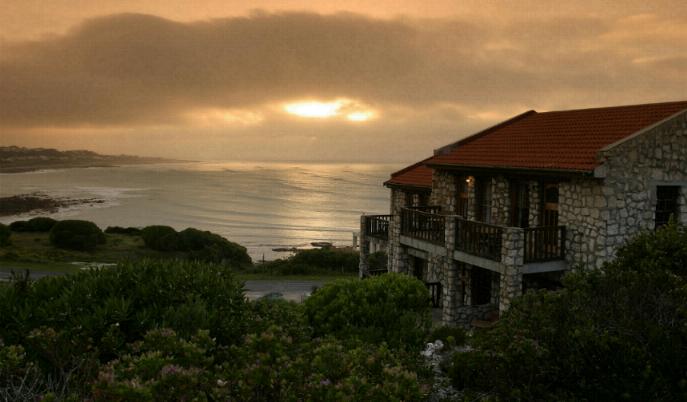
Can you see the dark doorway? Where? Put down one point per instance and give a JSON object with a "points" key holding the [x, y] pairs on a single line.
{"points": [[419, 268], [480, 286], [666, 204], [520, 204]]}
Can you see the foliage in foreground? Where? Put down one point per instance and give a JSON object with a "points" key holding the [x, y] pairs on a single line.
{"points": [[390, 308], [619, 333], [161, 331]]}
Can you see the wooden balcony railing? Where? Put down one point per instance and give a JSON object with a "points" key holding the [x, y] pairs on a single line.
{"points": [[377, 226], [545, 243], [479, 239], [423, 225]]}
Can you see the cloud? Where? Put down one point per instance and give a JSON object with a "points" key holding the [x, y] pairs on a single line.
{"points": [[133, 69]]}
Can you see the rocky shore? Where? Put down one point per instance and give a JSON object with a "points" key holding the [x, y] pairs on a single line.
{"points": [[40, 202]]}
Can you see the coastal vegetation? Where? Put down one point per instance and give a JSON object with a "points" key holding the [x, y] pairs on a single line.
{"points": [[182, 330], [616, 333], [76, 235], [318, 261], [45, 244]]}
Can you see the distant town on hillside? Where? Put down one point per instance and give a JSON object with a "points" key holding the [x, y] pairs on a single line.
{"points": [[14, 159]]}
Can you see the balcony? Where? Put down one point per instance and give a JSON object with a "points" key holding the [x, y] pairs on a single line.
{"points": [[480, 239], [476, 241], [424, 223], [377, 226], [544, 243]]}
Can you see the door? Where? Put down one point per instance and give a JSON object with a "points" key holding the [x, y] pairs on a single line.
{"points": [[520, 203]]}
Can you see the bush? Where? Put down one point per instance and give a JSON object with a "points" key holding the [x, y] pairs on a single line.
{"points": [[40, 224], [19, 226], [325, 260], [377, 260], [5, 234], [161, 238], [160, 331], [207, 246], [619, 332], [389, 308], [130, 231], [76, 235]]}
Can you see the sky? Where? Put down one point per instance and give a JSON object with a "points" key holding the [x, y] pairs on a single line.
{"points": [[344, 80]]}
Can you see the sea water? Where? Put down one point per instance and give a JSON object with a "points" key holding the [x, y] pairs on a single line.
{"points": [[259, 205]]}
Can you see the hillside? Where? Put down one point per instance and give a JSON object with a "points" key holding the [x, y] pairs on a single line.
{"points": [[15, 159]]}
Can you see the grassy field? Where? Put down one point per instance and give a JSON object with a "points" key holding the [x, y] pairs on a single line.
{"points": [[34, 252]]}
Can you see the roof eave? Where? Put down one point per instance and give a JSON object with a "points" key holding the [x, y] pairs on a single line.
{"points": [[407, 186], [512, 169]]}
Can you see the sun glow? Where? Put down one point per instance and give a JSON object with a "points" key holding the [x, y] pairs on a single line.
{"points": [[314, 108], [346, 108]]}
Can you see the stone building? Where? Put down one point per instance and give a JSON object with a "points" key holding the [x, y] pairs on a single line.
{"points": [[516, 205]]}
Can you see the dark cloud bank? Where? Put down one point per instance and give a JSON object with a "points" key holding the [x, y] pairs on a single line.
{"points": [[140, 69]]}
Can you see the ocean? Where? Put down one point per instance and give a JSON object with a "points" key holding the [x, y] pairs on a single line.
{"points": [[259, 205]]}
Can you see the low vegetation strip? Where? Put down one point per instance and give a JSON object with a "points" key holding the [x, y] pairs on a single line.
{"points": [[164, 331]]}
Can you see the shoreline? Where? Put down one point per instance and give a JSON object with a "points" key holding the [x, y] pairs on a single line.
{"points": [[40, 202]]}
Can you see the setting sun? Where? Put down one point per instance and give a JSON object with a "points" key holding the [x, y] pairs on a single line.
{"points": [[314, 108], [344, 108]]}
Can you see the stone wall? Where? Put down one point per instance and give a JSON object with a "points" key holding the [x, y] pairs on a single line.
{"points": [[500, 201], [583, 210], [444, 191], [633, 169], [513, 256], [398, 259]]}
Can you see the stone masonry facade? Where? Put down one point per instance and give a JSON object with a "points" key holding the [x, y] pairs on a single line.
{"points": [[599, 212]]}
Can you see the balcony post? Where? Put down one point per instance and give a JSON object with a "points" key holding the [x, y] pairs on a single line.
{"points": [[363, 267], [513, 257], [451, 278]]}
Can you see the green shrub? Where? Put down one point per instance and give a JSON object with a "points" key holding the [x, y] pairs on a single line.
{"points": [[619, 332], [76, 235], [377, 260], [207, 246], [5, 234], [161, 238], [314, 261], [389, 308], [40, 224], [130, 231], [19, 226]]}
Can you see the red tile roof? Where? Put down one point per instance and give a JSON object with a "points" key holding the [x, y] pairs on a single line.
{"points": [[559, 140], [417, 175]]}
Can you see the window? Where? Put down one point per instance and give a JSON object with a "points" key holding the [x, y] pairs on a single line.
{"points": [[462, 196], [549, 216], [483, 199], [666, 204]]}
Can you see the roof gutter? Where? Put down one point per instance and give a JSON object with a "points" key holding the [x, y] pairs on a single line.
{"points": [[516, 170]]}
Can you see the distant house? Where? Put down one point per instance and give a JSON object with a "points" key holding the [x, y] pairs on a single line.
{"points": [[514, 206]]}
